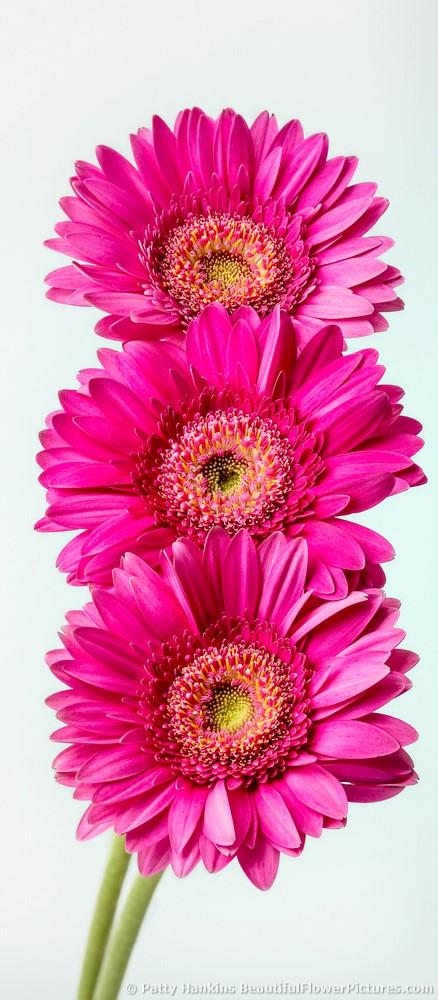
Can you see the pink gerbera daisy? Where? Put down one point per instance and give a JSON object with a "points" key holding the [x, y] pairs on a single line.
{"points": [[228, 428], [219, 211], [217, 710]]}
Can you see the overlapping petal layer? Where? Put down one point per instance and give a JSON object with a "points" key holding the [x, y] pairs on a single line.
{"points": [[216, 210], [217, 710], [229, 427]]}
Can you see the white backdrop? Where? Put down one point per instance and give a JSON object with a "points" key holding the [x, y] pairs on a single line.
{"points": [[359, 905]]}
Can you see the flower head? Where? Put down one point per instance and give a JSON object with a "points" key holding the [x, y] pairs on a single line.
{"points": [[216, 210], [217, 710], [227, 428]]}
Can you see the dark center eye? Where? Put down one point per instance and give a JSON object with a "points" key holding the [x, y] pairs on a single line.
{"points": [[223, 472]]}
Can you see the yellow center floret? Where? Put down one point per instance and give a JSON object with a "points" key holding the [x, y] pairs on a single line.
{"points": [[223, 473], [226, 268], [229, 708]]}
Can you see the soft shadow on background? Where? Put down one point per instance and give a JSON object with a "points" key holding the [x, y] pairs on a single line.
{"points": [[360, 905]]}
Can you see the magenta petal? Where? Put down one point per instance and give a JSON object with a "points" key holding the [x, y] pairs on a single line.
{"points": [[240, 149], [218, 819], [308, 821], [351, 739], [155, 858], [332, 223], [144, 809], [396, 729], [166, 152], [186, 860], [213, 860], [184, 815], [353, 616], [267, 174], [324, 348], [318, 789], [304, 160], [259, 863], [150, 833], [335, 546], [87, 829], [323, 181], [333, 302], [284, 566], [157, 604], [278, 351], [110, 764], [149, 169], [275, 819], [243, 811], [347, 679], [207, 341], [372, 793], [241, 567]]}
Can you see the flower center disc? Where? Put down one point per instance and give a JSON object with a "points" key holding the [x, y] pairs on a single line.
{"points": [[223, 473], [226, 268], [227, 704], [229, 708], [230, 468], [226, 468], [222, 258]]}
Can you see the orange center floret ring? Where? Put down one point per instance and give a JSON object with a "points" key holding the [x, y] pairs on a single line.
{"points": [[232, 702], [226, 468], [229, 467], [234, 709], [223, 258]]}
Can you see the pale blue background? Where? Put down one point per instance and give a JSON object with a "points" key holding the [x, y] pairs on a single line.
{"points": [[360, 905]]}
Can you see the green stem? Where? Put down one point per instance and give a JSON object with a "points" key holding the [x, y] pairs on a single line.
{"points": [[124, 936], [103, 915]]}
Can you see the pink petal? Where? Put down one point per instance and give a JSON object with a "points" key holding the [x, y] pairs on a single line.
{"points": [[351, 272], [275, 819], [157, 605], [149, 169], [284, 568], [241, 576], [332, 302], [396, 729], [185, 813], [213, 860], [305, 158], [308, 821], [267, 174], [144, 809], [260, 863], [278, 351], [166, 152], [107, 765], [337, 220], [372, 793], [155, 858], [332, 544], [218, 819], [351, 739], [318, 789]]}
